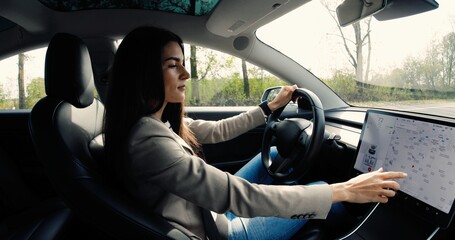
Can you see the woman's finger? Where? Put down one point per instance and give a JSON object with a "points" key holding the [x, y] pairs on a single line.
{"points": [[393, 175], [387, 193], [391, 185]]}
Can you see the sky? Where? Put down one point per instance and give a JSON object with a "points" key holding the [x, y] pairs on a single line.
{"points": [[310, 36]]}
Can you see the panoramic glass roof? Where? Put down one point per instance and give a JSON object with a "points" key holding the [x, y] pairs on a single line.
{"points": [[187, 7]]}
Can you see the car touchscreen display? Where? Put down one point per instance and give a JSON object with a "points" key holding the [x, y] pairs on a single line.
{"points": [[424, 149]]}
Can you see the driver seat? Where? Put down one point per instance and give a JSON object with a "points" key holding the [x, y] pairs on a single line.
{"points": [[64, 125]]}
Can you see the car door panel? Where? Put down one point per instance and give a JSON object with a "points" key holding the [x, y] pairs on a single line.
{"points": [[233, 154], [18, 151]]}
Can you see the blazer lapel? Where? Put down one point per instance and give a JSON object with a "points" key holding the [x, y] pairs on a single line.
{"points": [[180, 140]]}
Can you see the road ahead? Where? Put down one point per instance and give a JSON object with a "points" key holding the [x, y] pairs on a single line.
{"points": [[434, 108], [440, 109]]}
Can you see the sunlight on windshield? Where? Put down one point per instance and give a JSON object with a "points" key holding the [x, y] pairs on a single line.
{"points": [[401, 61]]}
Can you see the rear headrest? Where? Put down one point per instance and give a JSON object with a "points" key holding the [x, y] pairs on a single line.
{"points": [[68, 70]]}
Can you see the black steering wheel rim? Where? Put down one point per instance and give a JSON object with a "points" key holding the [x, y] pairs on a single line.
{"points": [[299, 163]]}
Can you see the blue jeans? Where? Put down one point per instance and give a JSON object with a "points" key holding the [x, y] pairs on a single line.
{"points": [[265, 227]]}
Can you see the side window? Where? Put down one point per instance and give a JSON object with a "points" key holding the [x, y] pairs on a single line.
{"points": [[219, 79], [22, 80]]}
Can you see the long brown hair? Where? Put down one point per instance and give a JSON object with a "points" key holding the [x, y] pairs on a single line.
{"points": [[136, 89], [174, 113]]}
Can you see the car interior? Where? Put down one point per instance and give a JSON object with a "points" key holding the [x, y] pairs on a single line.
{"points": [[52, 185]]}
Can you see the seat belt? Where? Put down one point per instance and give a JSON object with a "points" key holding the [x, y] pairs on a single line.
{"points": [[211, 230]]}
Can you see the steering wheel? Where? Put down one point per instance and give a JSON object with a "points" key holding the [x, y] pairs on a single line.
{"points": [[298, 141]]}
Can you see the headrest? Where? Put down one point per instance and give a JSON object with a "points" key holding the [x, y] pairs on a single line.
{"points": [[68, 71]]}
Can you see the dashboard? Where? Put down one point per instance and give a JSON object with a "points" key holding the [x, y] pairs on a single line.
{"points": [[422, 146]]}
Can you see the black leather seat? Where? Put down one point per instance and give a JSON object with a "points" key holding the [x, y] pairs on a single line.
{"points": [[25, 216], [62, 125]]}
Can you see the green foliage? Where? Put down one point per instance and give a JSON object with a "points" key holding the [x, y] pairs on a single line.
{"points": [[426, 78], [4, 103], [219, 80], [7, 104], [344, 84], [233, 95], [35, 91], [207, 89], [2, 92], [229, 91]]}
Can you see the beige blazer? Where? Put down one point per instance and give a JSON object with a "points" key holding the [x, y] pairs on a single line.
{"points": [[164, 174]]}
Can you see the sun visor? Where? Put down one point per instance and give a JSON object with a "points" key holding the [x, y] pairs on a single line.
{"points": [[232, 17]]}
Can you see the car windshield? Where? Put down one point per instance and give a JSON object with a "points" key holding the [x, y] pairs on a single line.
{"points": [[406, 63]]}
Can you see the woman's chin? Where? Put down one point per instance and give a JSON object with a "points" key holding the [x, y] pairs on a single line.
{"points": [[181, 100]]}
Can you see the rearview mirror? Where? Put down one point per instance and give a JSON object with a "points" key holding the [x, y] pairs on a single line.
{"points": [[351, 11]]}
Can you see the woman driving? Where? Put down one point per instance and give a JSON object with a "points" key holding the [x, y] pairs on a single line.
{"points": [[155, 154]]}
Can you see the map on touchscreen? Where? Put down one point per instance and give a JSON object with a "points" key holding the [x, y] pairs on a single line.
{"points": [[425, 150]]}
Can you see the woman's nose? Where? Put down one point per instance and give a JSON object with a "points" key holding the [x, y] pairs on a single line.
{"points": [[185, 74]]}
